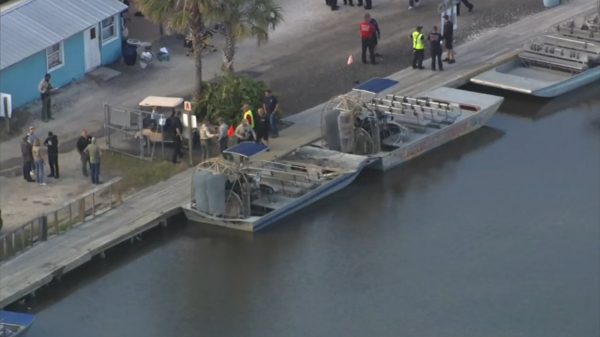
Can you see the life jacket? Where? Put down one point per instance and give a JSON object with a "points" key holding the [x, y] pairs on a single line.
{"points": [[249, 116], [366, 30], [418, 41]]}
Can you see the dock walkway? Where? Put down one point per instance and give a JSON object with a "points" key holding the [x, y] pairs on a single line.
{"points": [[42, 263]]}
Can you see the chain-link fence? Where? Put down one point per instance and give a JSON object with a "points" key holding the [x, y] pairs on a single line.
{"points": [[135, 132]]}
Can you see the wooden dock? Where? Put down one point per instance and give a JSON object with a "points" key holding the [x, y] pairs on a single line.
{"points": [[44, 262]]}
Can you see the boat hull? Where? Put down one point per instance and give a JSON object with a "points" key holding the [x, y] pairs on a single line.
{"points": [[17, 323], [256, 223], [514, 76], [394, 158]]}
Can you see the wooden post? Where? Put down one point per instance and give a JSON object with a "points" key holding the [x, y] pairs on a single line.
{"points": [[6, 112], [190, 133], [141, 130], [82, 209], [107, 125]]}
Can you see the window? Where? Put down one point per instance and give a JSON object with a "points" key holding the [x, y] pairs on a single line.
{"points": [[54, 56], [109, 30]]}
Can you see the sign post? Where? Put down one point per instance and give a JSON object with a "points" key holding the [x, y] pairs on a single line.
{"points": [[6, 109], [187, 106]]}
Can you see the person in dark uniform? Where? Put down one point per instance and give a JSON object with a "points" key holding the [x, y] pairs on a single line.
{"points": [[176, 128], [376, 37], [27, 159], [368, 4], [51, 143], [367, 37], [262, 127], [435, 47], [448, 39], [418, 43], [466, 3]]}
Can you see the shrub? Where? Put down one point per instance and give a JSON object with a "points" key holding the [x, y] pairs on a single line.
{"points": [[225, 96]]}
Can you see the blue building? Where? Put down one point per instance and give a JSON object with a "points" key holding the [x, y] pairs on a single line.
{"points": [[65, 38]]}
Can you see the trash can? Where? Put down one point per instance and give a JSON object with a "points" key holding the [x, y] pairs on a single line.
{"points": [[551, 3], [129, 53]]}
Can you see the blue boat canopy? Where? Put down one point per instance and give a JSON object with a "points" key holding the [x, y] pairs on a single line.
{"points": [[16, 318], [246, 149], [376, 85]]}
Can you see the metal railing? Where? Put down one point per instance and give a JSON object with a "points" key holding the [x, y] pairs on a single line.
{"points": [[71, 214]]}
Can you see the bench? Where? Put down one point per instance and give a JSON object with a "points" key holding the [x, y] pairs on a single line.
{"points": [[552, 62]]}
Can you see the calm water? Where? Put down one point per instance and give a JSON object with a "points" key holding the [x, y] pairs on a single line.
{"points": [[496, 234]]}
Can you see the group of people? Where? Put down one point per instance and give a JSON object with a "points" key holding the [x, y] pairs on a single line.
{"points": [[334, 6], [34, 153], [435, 39], [415, 3], [257, 128]]}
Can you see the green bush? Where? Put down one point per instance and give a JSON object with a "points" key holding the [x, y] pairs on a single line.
{"points": [[225, 96]]}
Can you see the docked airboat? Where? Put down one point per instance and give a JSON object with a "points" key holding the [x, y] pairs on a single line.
{"points": [[392, 129], [552, 64], [248, 194]]}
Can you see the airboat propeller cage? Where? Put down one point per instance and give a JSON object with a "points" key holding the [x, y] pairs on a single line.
{"points": [[340, 114]]}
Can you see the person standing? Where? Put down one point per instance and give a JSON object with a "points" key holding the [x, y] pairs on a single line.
{"points": [[435, 48], [27, 156], [271, 106], [248, 115], [223, 136], [51, 144], [262, 127], [83, 141], [176, 128], [413, 3], [367, 36], [38, 160], [448, 39], [45, 88], [418, 42], [93, 152], [376, 36], [368, 4], [205, 136]]}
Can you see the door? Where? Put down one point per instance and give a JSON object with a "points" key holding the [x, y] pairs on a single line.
{"points": [[91, 45]]}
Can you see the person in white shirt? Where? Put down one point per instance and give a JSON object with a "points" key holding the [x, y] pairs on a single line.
{"points": [[205, 136]]}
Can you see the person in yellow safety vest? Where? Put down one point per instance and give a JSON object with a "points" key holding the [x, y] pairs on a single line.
{"points": [[248, 115], [418, 42]]}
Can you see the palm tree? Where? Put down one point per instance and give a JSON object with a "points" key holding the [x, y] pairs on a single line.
{"points": [[242, 19], [180, 16]]}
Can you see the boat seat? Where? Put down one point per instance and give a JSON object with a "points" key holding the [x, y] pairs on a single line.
{"points": [[272, 201], [552, 62]]}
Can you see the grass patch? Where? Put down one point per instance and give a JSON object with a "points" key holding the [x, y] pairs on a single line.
{"points": [[136, 173]]}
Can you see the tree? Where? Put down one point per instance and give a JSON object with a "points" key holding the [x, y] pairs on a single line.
{"points": [[181, 16], [242, 19]]}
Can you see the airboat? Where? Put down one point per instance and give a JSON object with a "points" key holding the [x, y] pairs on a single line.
{"points": [[14, 324], [392, 129], [247, 194], [552, 64]]}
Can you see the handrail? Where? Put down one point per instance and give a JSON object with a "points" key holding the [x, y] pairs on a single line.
{"points": [[62, 218]]}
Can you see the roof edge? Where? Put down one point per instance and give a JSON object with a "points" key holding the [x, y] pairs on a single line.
{"points": [[9, 7]]}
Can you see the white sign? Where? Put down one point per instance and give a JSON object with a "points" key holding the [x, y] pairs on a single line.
{"points": [[187, 106], [5, 105]]}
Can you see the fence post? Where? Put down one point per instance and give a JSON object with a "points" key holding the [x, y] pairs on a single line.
{"points": [[82, 209], [94, 204], [141, 131], [43, 227], [107, 125]]}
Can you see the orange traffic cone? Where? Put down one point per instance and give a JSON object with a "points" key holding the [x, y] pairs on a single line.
{"points": [[350, 60]]}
